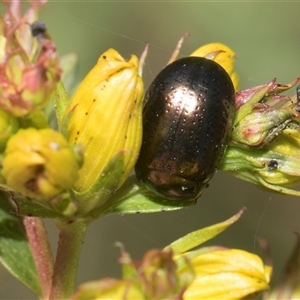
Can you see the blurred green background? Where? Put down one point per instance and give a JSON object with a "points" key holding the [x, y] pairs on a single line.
{"points": [[266, 38]]}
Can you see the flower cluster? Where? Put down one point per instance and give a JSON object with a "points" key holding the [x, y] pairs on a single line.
{"points": [[78, 168], [99, 135], [37, 162], [264, 146], [29, 68], [180, 273]]}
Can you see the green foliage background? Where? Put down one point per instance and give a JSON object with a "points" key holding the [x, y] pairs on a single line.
{"points": [[265, 36]]}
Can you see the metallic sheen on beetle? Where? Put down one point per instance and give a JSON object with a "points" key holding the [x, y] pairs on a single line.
{"points": [[187, 117]]}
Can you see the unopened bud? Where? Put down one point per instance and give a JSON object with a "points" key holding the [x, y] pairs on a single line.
{"points": [[262, 113], [39, 164], [104, 116], [29, 72]]}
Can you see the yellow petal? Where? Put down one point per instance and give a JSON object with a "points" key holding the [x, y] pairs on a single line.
{"points": [[227, 274], [223, 55], [104, 116]]}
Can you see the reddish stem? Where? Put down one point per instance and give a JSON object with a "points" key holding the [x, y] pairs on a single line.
{"points": [[40, 248]]}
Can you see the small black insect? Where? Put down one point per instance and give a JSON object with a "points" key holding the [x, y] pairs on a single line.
{"points": [[38, 28], [298, 98], [272, 165], [187, 116]]}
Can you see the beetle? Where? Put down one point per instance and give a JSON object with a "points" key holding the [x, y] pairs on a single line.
{"points": [[187, 116]]}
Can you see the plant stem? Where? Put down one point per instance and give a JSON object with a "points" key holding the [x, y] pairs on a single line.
{"points": [[67, 258], [40, 249]]}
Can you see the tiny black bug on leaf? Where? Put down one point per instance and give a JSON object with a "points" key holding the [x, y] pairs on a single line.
{"points": [[272, 165], [298, 98], [187, 116]]}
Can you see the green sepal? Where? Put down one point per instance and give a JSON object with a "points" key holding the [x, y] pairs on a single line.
{"points": [[27, 207], [198, 237], [15, 253], [61, 100], [36, 119], [247, 99], [9, 125], [61, 97], [103, 189], [254, 97], [129, 271], [63, 205], [134, 197], [254, 166], [106, 196]]}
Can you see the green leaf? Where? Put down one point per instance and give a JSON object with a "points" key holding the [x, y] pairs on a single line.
{"points": [[200, 236], [35, 209], [15, 254], [98, 197], [55, 108], [27, 207], [133, 197], [61, 100], [36, 119], [253, 98]]}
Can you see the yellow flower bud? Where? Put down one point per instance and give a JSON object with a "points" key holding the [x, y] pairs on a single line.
{"points": [[207, 273], [225, 274], [39, 164], [287, 170], [275, 167], [223, 55], [104, 116], [264, 146]]}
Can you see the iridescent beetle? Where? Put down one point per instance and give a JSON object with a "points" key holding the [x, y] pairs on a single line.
{"points": [[187, 116]]}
